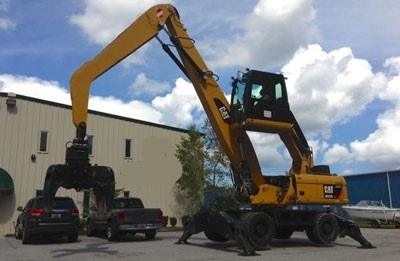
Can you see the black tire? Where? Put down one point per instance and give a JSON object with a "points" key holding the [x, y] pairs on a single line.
{"points": [[326, 228], [150, 235], [89, 229], [283, 233], [375, 223], [73, 237], [259, 228], [311, 235], [112, 233], [26, 237], [18, 233]]}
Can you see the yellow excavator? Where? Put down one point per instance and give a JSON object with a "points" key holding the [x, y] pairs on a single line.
{"points": [[278, 205]]}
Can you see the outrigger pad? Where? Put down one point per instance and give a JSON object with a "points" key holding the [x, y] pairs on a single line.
{"points": [[100, 178]]}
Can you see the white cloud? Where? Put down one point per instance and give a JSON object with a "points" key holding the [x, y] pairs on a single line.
{"points": [[328, 88], [337, 153], [132, 109], [180, 106], [103, 20], [382, 147], [6, 24], [393, 65], [269, 153], [268, 36], [274, 29], [34, 87], [144, 85]]}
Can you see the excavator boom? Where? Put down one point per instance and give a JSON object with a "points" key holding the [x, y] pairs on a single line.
{"points": [[164, 17]]}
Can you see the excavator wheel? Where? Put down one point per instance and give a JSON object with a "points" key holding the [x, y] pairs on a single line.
{"points": [[325, 229], [311, 235], [259, 228]]}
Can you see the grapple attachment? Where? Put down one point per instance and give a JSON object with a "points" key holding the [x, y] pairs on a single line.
{"points": [[77, 173]]}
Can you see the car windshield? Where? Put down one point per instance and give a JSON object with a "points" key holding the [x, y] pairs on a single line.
{"points": [[127, 203]]}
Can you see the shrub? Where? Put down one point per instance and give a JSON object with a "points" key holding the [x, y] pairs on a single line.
{"points": [[165, 221], [82, 224], [185, 219], [173, 221]]}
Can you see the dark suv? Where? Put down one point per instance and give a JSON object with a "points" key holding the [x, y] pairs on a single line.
{"points": [[63, 220]]}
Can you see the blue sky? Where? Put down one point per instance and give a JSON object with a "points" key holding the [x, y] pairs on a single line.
{"points": [[341, 58]]}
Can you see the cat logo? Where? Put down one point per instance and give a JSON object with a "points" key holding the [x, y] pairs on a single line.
{"points": [[222, 110]]}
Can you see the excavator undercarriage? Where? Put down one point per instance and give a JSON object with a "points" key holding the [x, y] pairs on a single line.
{"points": [[255, 230]]}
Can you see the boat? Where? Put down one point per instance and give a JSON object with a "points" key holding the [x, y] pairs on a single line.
{"points": [[374, 212]]}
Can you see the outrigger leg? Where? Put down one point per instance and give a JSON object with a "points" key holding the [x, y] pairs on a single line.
{"points": [[351, 229]]}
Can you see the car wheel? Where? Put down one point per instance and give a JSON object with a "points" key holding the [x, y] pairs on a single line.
{"points": [[26, 237], [150, 235], [73, 237], [18, 233], [112, 234], [89, 229]]}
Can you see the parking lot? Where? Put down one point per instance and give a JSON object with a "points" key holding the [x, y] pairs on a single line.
{"points": [[298, 247]]}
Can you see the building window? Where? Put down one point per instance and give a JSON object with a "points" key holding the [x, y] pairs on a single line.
{"points": [[43, 141], [90, 144], [128, 145], [126, 194]]}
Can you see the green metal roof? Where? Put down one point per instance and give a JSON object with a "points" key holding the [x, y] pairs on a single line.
{"points": [[6, 182]]}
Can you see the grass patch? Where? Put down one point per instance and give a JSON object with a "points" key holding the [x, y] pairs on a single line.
{"points": [[383, 226]]}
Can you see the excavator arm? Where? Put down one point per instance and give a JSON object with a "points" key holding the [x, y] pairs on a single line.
{"points": [[164, 17], [146, 27]]}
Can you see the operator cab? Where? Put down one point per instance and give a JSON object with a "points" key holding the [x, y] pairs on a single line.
{"points": [[259, 101]]}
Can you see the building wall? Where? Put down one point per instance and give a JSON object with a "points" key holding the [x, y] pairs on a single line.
{"points": [[380, 186], [152, 153]]}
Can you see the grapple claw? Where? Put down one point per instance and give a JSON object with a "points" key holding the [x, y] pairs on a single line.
{"points": [[77, 173], [99, 178]]}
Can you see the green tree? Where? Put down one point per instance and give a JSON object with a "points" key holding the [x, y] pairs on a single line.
{"points": [[217, 165], [219, 180], [190, 152]]}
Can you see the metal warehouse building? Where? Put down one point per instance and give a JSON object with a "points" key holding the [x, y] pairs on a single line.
{"points": [[33, 135], [380, 186]]}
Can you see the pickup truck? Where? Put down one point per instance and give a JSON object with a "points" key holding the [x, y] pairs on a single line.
{"points": [[128, 216]]}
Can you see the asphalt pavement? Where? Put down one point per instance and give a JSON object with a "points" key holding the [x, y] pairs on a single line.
{"points": [[163, 247]]}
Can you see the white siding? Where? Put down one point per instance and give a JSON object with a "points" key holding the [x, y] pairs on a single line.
{"points": [[19, 139]]}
